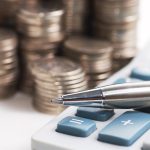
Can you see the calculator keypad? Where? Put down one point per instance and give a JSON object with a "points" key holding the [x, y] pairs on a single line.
{"points": [[124, 130]]}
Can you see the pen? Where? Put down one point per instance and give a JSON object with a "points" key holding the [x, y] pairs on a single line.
{"points": [[118, 96]]}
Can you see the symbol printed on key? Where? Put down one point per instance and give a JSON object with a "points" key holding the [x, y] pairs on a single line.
{"points": [[76, 121], [127, 122]]}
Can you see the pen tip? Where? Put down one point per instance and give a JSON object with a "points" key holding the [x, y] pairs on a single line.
{"points": [[57, 100]]}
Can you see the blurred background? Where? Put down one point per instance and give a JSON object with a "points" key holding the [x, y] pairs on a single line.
{"points": [[49, 48]]}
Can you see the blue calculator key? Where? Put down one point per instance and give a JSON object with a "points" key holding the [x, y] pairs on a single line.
{"points": [[125, 129], [76, 126], [142, 73], [120, 81], [126, 80], [94, 113]]}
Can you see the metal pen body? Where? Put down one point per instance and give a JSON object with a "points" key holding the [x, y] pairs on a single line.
{"points": [[121, 96]]}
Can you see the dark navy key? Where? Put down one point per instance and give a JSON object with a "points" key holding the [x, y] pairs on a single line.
{"points": [[141, 73], [95, 113], [76, 126], [125, 129]]}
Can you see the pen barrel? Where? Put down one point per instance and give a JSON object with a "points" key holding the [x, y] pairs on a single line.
{"points": [[121, 96], [127, 98], [126, 86]]}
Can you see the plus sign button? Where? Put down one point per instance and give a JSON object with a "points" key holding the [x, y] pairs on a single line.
{"points": [[126, 129]]}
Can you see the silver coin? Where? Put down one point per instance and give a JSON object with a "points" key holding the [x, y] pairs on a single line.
{"points": [[41, 13], [57, 67], [61, 86], [87, 46], [8, 40], [64, 82]]}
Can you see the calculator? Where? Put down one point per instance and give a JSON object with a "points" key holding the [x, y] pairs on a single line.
{"points": [[95, 128]]}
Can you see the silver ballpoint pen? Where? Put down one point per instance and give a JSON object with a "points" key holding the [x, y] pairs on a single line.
{"points": [[118, 96]]}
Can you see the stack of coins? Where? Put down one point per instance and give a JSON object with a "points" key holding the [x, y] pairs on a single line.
{"points": [[53, 78], [76, 13], [8, 10], [116, 20], [41, 26], [93, 55], [41, 19], [32, 50], [8, 63]]}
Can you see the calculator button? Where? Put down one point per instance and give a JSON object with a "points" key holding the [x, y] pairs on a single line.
{"points": [[76, 126], [95, 113], [120, 81], [125, 129], [126, 80], [141, 73]]}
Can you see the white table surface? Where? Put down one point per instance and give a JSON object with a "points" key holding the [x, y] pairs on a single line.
{"points": [[19, 120]]}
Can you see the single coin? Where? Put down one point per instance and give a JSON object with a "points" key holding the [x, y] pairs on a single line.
{"points": [[88, 46], [63, 82], [41, 13], [56, 67], [8, 40]]}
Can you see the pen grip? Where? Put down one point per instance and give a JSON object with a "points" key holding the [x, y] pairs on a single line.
{"points": [[94, 94]]}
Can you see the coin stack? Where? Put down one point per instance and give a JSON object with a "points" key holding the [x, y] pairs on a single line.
{"points": [[41, 26], [41, 19], [8, 10], [53, 78], [93, 55], [76, 14], [8, 63], [32, 50], [116, 20]]}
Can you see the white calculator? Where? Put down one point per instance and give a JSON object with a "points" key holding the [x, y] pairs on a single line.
{"points": [[99, 129]]}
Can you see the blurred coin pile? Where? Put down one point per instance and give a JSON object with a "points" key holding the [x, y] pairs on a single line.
{"points": [[76, 13], [8, 63], [93, 55], [41, 26], [116, 20], [8, 10], [53, 78]]}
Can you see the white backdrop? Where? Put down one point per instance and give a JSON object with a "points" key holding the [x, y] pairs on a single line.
{"points": [[18, 120], [144, 24]]}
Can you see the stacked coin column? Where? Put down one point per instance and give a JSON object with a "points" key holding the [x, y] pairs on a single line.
{"points": [[53, 78], [40, 24], [76, 14], [116, 20], [93, 55], [8, 63]]}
